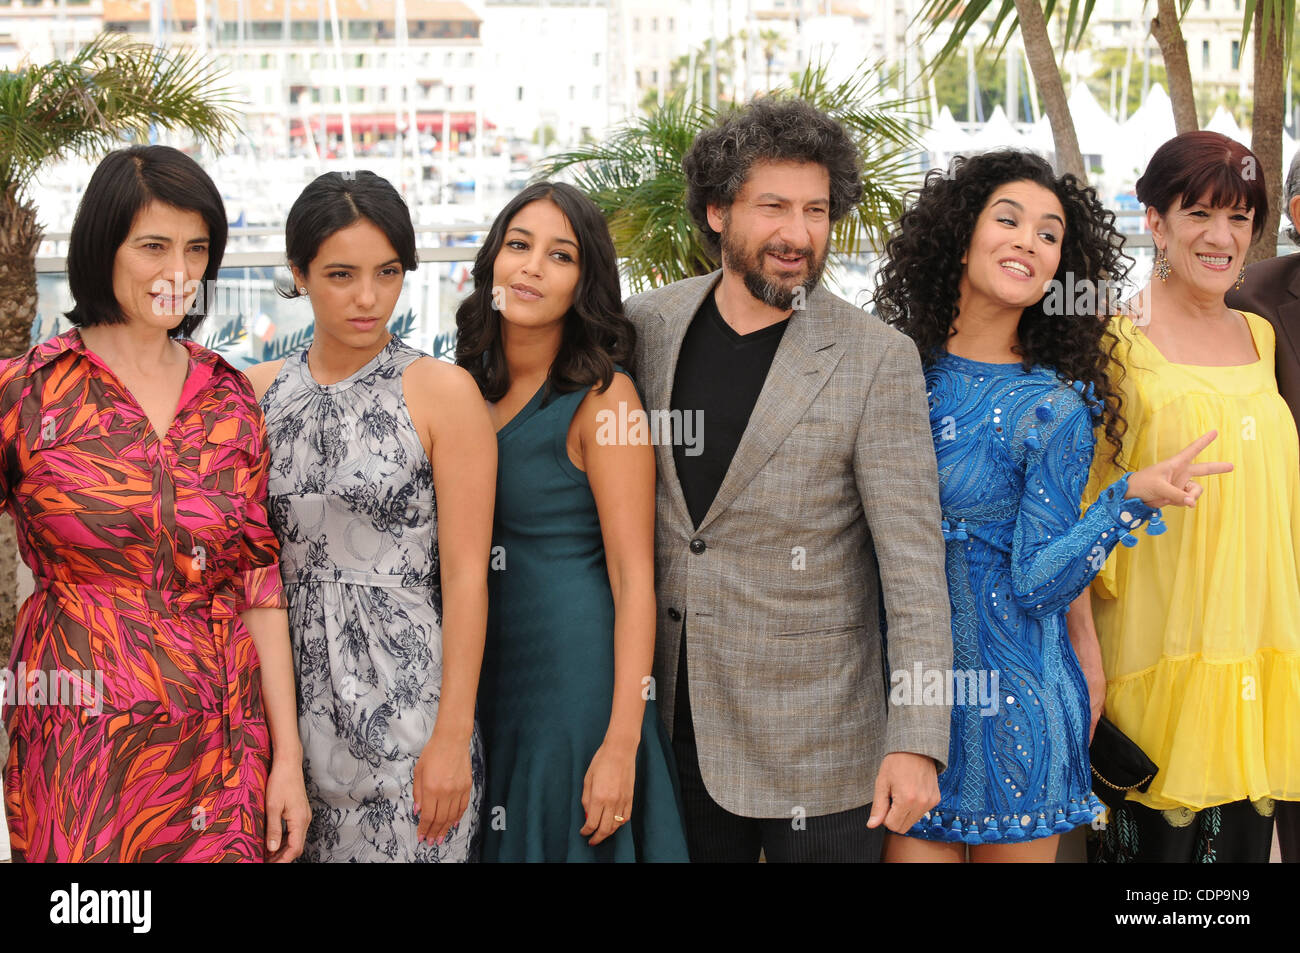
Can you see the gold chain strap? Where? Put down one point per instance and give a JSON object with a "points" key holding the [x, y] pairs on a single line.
{"points": [[1117, 787]]}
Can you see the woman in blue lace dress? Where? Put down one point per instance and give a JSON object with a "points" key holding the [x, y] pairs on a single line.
{"points": [[995, 271]]}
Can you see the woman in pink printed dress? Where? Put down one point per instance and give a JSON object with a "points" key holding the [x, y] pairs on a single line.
{"points": [[153, 717]]}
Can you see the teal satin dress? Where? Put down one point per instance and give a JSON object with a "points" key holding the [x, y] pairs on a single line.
{"points": [[548, 666]]}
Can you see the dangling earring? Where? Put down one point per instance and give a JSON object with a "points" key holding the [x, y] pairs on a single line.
{"points": [[1241, 277], [1161, 269]]}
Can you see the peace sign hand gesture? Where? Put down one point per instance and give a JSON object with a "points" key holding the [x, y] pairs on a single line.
{"points": [[1170, 482]]}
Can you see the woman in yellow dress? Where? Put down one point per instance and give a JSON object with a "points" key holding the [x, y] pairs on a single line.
{"points": [[1200, 636]]}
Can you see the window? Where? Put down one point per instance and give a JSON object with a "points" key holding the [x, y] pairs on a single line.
{"points": [[671, 27], [573, 93], [595, 92], [519, 94], [636, 24], [595, 59], [654, 24], [1236, 54], [1205, 54]]}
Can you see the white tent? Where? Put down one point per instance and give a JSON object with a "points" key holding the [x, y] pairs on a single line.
{"points": [[945, 139], [1040, 139], [997, 133], [1096, 130], [1150, 127], [1223, 123]]}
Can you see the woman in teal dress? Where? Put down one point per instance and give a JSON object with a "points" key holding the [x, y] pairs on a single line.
{"points": [[579, 766]]}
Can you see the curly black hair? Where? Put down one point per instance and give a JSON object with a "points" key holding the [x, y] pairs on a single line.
{"points": [[917, 285], [786, 130], [597, 334]]}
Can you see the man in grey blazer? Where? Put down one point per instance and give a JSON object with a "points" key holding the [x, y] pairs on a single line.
{"points": [[814, 484]]}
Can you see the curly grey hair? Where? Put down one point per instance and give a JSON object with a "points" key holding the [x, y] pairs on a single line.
{"points": [[792, 130], [1291, 191]]}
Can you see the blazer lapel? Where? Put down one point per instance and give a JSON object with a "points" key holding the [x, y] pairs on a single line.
{"points": [[675, 316], [804, 361]]}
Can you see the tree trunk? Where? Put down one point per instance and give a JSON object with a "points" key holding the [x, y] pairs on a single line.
{"points": [[19, 237], [1266, 128], [1042, 63], [1169, 34]]}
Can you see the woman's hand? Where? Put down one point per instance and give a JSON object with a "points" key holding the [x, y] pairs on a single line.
{"points": [[1169, 482], [287, 810], [607, 790], [443, 779], [1087, 649], [1096, 680]]}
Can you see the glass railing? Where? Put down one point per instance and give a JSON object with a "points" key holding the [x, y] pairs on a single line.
{"points": [[250, 322]]}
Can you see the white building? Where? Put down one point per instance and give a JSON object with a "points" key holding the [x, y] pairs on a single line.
{"points": [[43, 30], [547, 66], [295, 79]]}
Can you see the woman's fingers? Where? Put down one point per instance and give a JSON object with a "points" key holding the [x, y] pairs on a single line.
{"points": [[606, 826], [1206, 469], [1189, 452]]}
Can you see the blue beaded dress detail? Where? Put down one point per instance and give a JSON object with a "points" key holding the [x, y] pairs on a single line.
{"points": [[1014, 449]]}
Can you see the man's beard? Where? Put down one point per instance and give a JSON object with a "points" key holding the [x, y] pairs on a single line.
{"points": [[766, 289]]}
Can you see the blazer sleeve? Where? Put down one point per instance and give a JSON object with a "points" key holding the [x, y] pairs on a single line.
{"points": [[898, 482]]}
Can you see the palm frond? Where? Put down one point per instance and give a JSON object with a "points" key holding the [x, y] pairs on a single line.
{"points": [[960, 17], [111, 89], [635, 175]]}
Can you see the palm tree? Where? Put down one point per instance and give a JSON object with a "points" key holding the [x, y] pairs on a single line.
{"points": [[1169, 35], [81, 106], [1273, 24], [636, 177], [1030, 17]]}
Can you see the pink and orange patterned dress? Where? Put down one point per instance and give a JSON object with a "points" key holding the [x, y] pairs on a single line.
{"points": [[137, 732]]}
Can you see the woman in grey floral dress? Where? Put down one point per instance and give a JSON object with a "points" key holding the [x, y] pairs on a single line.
{"points": [[387, 588]]}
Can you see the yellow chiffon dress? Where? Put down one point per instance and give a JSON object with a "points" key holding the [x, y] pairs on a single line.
{"points": [[1200, 627]]}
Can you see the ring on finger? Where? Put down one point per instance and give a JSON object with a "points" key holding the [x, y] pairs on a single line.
{"points": [[619, 818]]}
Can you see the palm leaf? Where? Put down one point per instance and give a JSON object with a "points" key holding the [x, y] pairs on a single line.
{"points": [[635, 176], [109, 90], [963, 16]]}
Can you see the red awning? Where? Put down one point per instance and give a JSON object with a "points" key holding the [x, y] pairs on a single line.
{"points": [[430, 123]]}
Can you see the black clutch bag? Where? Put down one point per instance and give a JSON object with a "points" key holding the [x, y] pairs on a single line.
{"points": [[1118, 764]]}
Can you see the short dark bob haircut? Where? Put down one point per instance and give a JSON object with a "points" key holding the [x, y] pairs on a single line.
{"points": [[775, 130], [597, 335], [917, 285], [336, 200], [1189, 165], [123, 184]]}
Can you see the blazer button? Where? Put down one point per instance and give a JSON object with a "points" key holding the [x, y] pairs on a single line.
{"points": [[674, 615], [697, 546]]}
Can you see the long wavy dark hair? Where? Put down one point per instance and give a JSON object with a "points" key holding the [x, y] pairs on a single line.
{"points": [[917, 286], [597, 335]]}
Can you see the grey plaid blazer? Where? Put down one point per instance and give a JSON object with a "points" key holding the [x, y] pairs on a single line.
{"points": [[835, 473]]}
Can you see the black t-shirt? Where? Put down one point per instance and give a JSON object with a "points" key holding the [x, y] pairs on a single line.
{"points": [[720, 373]]}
